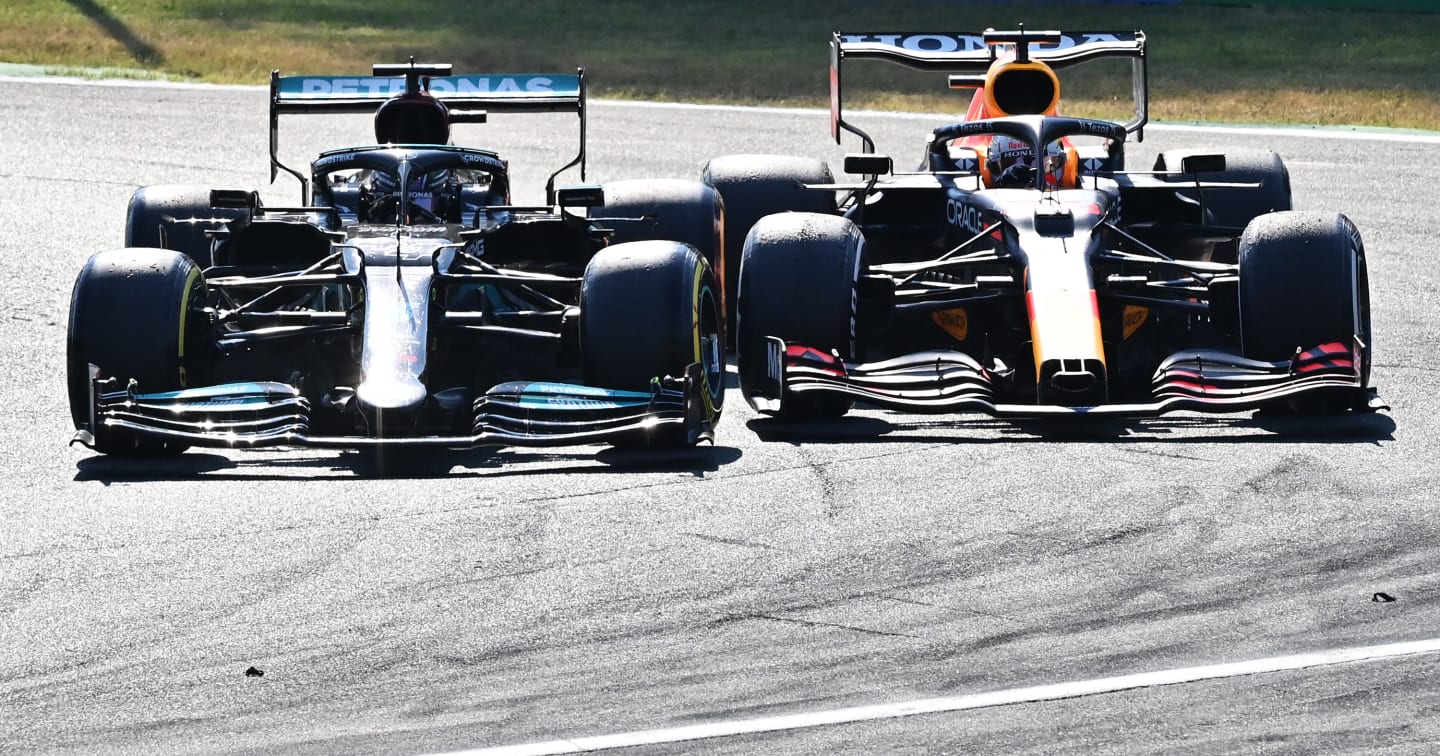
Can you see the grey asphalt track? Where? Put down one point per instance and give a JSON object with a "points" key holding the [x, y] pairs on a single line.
{"points": [[492, 598]]}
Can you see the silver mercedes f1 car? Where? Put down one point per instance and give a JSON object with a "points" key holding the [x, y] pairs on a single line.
{"points": [[405, 301]]}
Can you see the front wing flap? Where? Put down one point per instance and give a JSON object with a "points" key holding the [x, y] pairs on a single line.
{"points": [[255, 414], [948, 381], [557, 414]]}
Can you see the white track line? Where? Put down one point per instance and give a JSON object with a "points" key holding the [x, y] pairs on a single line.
{"points": [[78, 81], [1361, 134], [960, 703]]}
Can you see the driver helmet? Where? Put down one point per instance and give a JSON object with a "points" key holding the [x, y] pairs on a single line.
{"points": [[427, 190], [1011, 162], [412, 118], [431, 192]]}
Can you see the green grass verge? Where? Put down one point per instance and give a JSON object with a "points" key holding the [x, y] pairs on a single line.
{"points": [[1406, 6], [1266, 64]]}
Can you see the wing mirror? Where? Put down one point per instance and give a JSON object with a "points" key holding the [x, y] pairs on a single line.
{"points": [[866, 164], [588, 195], [239, 199], [1202, 164]]}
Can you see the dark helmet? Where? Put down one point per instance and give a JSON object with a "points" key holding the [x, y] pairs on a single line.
{"points": [[412, 118]]}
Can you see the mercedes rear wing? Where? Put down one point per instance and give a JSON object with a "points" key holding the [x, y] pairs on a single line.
{"points": [[967, 57], [469, 97]]}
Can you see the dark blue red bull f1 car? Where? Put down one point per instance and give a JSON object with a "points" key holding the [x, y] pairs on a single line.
{"points": [[1021, 270]]}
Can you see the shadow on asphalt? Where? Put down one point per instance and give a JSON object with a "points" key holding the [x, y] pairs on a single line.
{"points": [[1261, 428], [406, 464], [416, 463]]}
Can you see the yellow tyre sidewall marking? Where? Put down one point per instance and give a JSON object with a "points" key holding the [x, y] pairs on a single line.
{"points": [[711, 410], [184, 319]]}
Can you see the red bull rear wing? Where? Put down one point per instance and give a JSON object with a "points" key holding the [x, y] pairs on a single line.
{"points": [[968, 57]]}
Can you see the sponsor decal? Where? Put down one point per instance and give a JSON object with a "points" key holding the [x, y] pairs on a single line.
{"points": [[554, 401], [569, 391], [1102, 129], [774, 361], [489, 84], [1134, 317], [955, 322], [1010, 151], [964, 216], [834, 102], [324, 162], [203, 404], [409, 354], [492, 163], [322, 87], [953, 43]]}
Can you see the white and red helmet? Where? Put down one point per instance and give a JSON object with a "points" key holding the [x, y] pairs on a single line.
{"points": [[1011, 162]]}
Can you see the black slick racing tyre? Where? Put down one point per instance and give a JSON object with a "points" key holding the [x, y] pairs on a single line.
{"points": [[176, 216], [677, 210], [1234, 208], [647, 310], [1303, 283], [798, 276], [136, 314], [754, 186]]}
